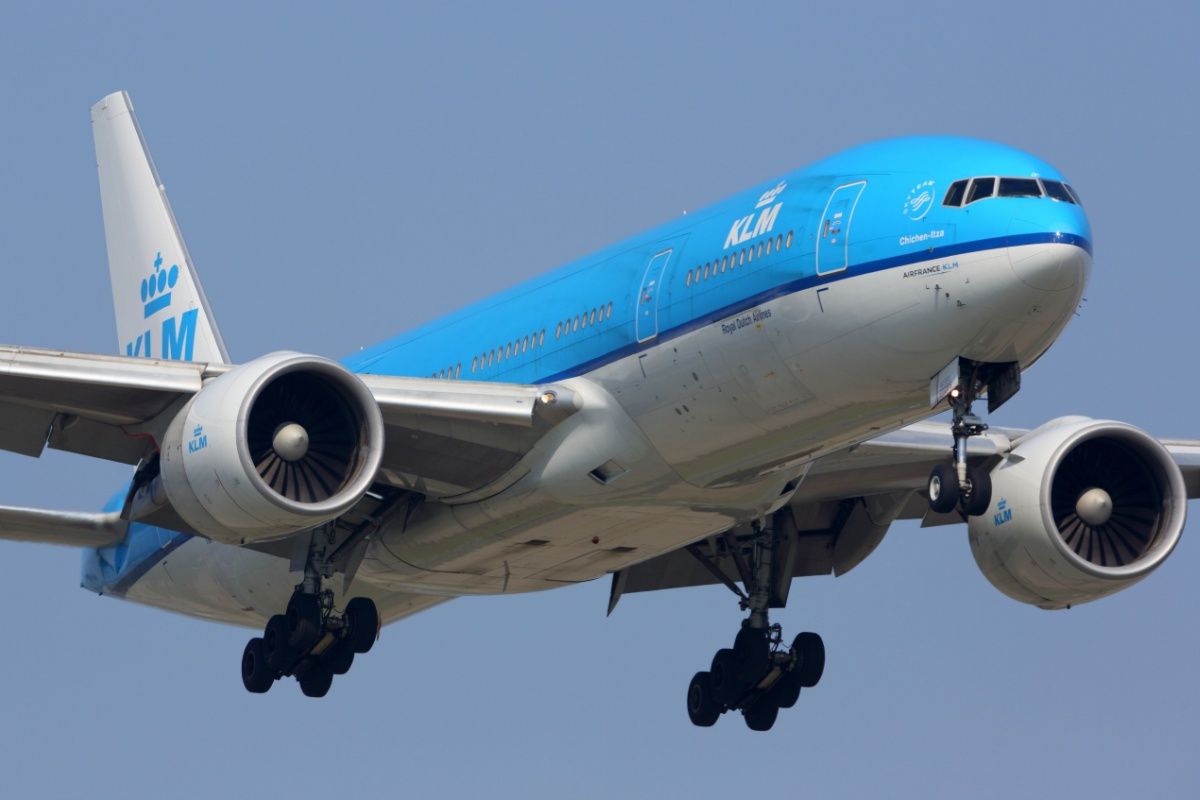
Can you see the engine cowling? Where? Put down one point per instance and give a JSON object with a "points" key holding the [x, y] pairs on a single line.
{"points": [[1080, 509], [277, 445]]}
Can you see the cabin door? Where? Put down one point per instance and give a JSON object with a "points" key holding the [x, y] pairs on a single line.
{"points": [[653, 280], [833, 234]]}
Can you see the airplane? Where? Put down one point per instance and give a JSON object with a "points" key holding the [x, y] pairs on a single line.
{"points": [[740, 397]]}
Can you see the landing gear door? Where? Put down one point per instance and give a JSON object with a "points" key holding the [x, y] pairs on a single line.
{"points": [[833, 233]]}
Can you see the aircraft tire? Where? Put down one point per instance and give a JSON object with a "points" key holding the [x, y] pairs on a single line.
{"points": [[702, 706], [275, 643], [363, 618], [724, 677], [339, 658], [762, 715], [303, 622], [811, 649], [786, 692], [257, 676], [753, 652], [316, 680], [981, 492], [942, 490]]}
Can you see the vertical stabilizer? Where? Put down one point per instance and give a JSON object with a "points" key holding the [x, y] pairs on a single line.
{"points": [[161, 309]]}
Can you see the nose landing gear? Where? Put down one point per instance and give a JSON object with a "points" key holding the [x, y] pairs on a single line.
{"points": [[960, 484], [759, 675]]}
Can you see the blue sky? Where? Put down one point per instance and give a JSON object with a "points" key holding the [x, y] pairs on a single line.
{"points": [[344, 174]]}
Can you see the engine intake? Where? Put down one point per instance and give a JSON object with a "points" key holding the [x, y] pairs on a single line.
{"points": [[1080, 509], [274, 446]]}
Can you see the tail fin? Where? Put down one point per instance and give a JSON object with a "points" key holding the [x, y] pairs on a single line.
{"points": [[160, 306]]}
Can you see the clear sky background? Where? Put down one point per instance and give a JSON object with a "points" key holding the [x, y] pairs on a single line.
{"points": [[342, 174]]}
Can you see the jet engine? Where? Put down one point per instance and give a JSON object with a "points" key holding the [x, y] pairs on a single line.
{"points": [[1080, 509], [277, 445]]}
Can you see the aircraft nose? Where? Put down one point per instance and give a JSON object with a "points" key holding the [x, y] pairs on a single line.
{"points": [[1052, 262]]}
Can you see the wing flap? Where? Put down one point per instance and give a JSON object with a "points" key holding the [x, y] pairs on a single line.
{"points": [[23, 429], [75, 529]]}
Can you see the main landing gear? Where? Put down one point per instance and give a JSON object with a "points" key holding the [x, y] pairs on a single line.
{"points": [[759, 675], [959, 484], [312, 641]]}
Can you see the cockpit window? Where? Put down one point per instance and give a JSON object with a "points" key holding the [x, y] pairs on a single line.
{"points": [[954, 195], [1071, 190], [1020, 187], [967, 191], [1057, 191], [981, 189]]}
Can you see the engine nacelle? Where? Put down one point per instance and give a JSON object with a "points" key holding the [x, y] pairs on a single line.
{"points": [[1081, 509], [277, 445]]}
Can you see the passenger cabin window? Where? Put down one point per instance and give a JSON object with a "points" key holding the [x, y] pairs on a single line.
{"points": [[955, 194], [1020, 187], [981, 189]]}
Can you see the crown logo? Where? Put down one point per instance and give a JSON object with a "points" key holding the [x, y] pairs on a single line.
{"points": [[156, 288]]}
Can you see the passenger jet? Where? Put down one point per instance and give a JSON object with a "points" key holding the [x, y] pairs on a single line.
{"points": [[738, 397]]}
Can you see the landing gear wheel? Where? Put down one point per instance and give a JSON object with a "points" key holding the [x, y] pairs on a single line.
{"points": [[942, 490], [316, 680], [762, 715], [980, 499], [810, 649], [724, 677], [363, 620], [753, 651], [786, 692], [257, 676], [702, 706], [339, 658], [303, 621], [275, 643]]}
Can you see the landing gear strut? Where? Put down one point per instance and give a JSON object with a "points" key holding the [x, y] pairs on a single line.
{"points": [[959, 483], [759, 675], [312, 641]]}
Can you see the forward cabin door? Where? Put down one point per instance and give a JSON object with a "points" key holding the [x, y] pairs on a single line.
{"points": [[833, 233], [649, 295]]}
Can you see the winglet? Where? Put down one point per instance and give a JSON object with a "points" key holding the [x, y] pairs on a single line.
{"points": [[160, 306]]}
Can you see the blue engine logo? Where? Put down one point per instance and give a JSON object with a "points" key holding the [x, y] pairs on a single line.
{"points": [[198, 441], [1003, 513]]}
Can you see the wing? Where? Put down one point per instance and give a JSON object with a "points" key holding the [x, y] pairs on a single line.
{"points": [[447, 439], [845, 505]]}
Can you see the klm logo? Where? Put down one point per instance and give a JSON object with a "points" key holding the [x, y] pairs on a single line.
{"points": [[177, 333], [156, 290], [199, 440], [1003, 513], [760, 223]]}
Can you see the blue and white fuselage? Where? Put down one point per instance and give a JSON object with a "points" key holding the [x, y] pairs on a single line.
{"points": [[736, 345]]}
